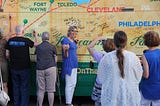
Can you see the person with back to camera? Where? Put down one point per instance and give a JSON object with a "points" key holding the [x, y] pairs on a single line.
{"points": [[3, 62], [150, 84], [18, 53], [108, 46], [120, 72], [46, 58], [70, 63]]}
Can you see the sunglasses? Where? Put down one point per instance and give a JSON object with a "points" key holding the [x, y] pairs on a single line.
{"points": [[74, 31]]}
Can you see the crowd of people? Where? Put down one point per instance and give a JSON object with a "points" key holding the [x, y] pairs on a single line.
{"points": [[122, 80]]}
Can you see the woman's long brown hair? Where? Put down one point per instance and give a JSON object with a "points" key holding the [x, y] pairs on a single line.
{"points": [[120, 40]]}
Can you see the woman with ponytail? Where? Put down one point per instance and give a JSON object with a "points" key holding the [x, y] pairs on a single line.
{"points": [[120, 72]]}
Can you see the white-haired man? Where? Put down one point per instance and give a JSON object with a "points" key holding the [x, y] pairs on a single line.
{"points": [[18, 52]]}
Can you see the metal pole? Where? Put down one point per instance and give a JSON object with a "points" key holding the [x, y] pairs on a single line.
{"points": [[58, 87]]}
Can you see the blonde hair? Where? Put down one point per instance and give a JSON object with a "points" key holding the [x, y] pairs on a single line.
{"points": [[71, 28]]}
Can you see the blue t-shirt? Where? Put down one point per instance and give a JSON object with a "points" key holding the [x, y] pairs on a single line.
{"points": [[150, 87], [71, 61]]}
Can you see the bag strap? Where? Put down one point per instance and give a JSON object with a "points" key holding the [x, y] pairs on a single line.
{"points": [[1, 80]]}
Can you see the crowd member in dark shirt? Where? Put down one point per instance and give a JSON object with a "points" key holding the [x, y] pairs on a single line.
{"points": [[46, 58], [18, 53], [3, 61]]}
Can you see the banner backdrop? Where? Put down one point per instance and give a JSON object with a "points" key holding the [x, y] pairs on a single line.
{"points": [[93, 18]]}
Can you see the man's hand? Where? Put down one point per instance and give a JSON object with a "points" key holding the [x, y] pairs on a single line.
{"points": [[35, 33]]}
